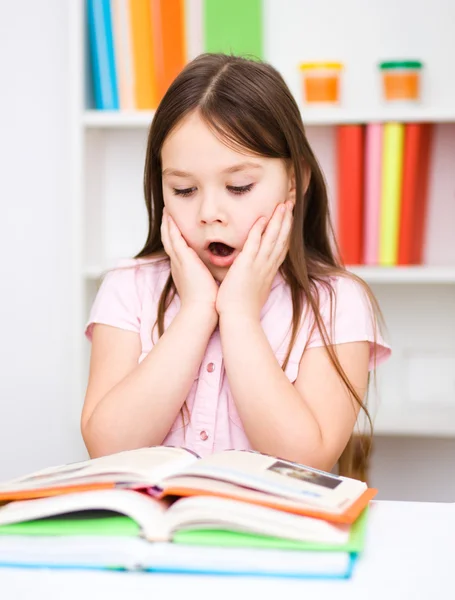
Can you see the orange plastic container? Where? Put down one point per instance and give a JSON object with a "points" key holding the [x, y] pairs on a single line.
{"points": [[321, 82], [401, 80]]}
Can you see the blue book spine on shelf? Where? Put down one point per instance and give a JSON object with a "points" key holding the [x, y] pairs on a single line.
{"points": [[102, 51]]}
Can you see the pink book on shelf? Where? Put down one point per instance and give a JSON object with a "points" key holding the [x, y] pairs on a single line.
{"points": [[373, 164]]}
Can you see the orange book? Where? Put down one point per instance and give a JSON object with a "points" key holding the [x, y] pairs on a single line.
{"points": [[249, 477], [350, 176], [145, 75], [416, 169], [168, 19]]}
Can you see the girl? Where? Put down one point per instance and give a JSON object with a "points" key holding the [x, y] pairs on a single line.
{"points": [[236, 326]]}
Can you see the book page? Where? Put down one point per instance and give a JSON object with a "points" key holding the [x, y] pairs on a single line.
{"points": [[276, 477], [146, 511], [144, 466], [202, 512]]}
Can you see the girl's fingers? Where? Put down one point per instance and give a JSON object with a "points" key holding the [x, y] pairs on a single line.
{"points": [[179, 246], [280, 248], [165, 238], [253, 241], [272, 233]]}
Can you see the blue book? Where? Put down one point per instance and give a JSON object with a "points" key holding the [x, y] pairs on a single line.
{"points": [[102, 55]]}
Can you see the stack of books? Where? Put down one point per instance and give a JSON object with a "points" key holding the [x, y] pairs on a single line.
{"points": [[164, 509]]}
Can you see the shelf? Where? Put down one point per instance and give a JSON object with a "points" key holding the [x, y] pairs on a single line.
{"points": [[386, 275], [406, 275], [102, 119], [114, 119]]}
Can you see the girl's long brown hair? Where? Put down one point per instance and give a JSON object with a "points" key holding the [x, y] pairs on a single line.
{"points": [[249, 106]]}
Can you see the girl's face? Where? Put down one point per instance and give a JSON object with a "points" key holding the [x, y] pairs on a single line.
{"points": [[215, 194]]}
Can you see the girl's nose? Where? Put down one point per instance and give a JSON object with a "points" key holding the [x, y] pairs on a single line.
{"points": [[211, 210]]}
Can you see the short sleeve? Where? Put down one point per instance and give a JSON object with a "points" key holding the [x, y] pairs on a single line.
{"points": [[118, 301], [350, 318]]}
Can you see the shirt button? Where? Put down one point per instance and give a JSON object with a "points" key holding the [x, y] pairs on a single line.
{"points": [[204, 435], [210, 367]]}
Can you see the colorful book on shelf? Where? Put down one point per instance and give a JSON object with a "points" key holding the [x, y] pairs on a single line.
{"points": [[350, 176], [391, 189], [123, 46], [102, 54], [233, 27], [250, 477], [416, 170], [372, 193], [144, 55], [169, 33]]}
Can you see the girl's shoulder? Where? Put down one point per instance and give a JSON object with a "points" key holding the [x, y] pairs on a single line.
{"points": [[129, 288], [137, 273]]}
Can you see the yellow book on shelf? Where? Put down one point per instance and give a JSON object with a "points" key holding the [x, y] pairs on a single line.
{"points": [[392, 174], [145, 89]]}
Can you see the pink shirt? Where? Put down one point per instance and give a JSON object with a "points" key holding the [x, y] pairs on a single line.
{"points": [[128, 299]]}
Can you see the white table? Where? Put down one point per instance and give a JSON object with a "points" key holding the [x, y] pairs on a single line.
{"points": [[409, 555]]}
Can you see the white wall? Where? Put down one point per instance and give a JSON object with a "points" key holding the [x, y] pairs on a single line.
{"points": [[38, 415], [37, 421]]}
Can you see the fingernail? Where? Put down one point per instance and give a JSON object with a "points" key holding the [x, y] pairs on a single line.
{"points": [[282, 208], [289, 205]]}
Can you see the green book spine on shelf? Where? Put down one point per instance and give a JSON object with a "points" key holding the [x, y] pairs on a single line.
{"points": [[233, 27]]}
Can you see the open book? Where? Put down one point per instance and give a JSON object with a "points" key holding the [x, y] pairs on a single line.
{"points": [[239, 475], [166, 472]]}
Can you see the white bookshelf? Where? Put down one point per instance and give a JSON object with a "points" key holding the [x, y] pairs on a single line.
{"points": [[94, 119], [417, 387]]}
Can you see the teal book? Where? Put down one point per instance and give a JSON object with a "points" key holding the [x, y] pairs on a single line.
{"points": [[101, 43]]}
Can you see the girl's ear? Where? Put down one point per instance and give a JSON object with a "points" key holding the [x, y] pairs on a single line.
{"points": [[306, 182], [291, 187]]}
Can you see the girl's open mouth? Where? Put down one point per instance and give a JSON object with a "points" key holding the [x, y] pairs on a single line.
{"points": [[220, 254]]}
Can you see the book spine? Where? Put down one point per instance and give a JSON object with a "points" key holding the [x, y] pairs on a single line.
{"points": [[233, 27], [121, 21], [373, 163], [145, 89], [102, 51], [170, 22], [350, 173], [392, 170], [422, 191]]}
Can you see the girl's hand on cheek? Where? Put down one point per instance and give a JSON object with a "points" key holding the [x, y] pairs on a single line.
{"points": [[247, 284], [195, 285]]}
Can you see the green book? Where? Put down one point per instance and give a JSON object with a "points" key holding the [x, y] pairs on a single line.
{"points": [[225, 538], [233, 27], [119, 526], [75, 525]]}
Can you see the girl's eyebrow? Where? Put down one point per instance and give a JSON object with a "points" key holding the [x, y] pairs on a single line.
{"points": [[233, 169]]}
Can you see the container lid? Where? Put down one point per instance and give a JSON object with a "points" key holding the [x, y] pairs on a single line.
{"points": [[401, 64], [320, 65]]}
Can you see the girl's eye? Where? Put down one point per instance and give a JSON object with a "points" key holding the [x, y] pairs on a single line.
{"points": [[243, 189], [186, 192]]}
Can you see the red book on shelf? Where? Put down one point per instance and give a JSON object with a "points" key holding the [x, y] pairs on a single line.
{"points": [[350, 165], [416, 169]]}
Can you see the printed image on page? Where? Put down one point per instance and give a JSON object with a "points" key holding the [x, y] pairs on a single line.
{"points": [[277, 477]]}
